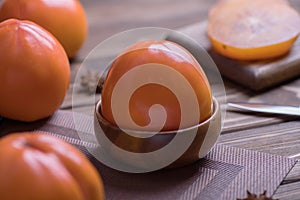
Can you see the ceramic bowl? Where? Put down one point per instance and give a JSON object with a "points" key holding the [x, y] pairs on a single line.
{"points": [[204, 137]]}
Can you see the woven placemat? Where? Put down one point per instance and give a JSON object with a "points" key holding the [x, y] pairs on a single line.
{"points": [[225, 173]]}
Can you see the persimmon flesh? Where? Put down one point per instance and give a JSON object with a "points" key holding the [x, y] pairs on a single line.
{"points": [[252, 30]]}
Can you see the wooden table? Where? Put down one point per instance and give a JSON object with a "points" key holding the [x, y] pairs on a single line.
{"points": [[262, 132]]}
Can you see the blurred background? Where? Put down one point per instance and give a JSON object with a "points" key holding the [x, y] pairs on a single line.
{"points": [[108, 17]]}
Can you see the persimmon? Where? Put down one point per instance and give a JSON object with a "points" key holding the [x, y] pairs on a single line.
{"points": [[34, 71], [65, 19], [163, 62], [43, 167], [252, 30]]}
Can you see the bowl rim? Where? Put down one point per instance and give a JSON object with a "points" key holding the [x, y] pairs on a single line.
{"points": [[216, 108]]}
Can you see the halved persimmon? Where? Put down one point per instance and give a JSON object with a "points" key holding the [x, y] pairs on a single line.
{"points": [[252, 30]]}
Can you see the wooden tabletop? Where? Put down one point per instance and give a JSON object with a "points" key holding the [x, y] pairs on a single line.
{"points": [[273, 134]]}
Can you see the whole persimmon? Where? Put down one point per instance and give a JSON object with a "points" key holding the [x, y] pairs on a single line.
{"points": [[253, 30], [34, 71], [65, 19], [37, 166], [169, 68]]}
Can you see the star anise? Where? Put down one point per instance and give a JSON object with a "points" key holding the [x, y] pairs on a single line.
{"points": [[262, 196], [91, 82]]}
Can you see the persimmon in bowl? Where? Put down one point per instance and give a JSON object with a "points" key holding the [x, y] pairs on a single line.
{"points": [[156, 98]]}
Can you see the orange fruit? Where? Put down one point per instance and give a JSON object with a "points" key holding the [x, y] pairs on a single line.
{"points": [[65, 19], [43, 167], [164, 55], [252, 30], [34, 71]]}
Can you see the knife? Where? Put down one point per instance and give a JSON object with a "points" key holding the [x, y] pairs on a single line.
{"points": [[267, 108]]}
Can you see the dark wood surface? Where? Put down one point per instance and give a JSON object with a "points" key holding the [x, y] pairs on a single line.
{"points": [[262, 132], [256, 75]]}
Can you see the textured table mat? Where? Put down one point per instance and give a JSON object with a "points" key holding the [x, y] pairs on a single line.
{"points": [[225, 173], [258, 75]]}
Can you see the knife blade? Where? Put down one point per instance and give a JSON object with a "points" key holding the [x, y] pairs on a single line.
{"points": [[266, 108]]}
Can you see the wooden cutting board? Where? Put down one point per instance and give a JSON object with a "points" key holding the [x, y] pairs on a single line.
{"points": [[257, 75]]}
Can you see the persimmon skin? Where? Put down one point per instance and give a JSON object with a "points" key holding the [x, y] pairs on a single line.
{"points": [[252, 30], [34, 71], [168, 54], [258, 53], [65, 19], [43, 167]]}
